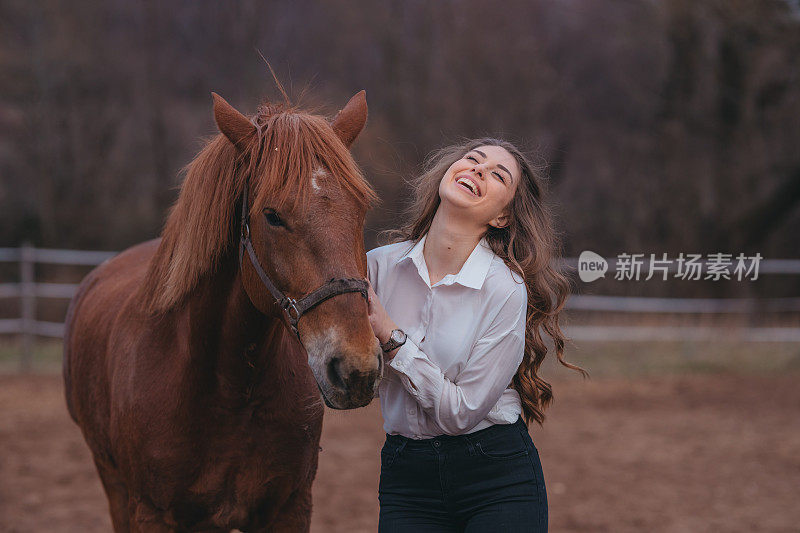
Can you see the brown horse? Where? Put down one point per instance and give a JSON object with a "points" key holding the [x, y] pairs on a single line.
{"points": [[200, 405]]}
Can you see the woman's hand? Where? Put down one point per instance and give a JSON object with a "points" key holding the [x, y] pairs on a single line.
{"points": [[382, 324]]}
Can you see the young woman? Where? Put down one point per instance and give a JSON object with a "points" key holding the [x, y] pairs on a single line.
{"points": [[457, 301]]}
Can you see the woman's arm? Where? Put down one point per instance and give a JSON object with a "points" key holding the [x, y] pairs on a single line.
{"points": [[458, 406]]}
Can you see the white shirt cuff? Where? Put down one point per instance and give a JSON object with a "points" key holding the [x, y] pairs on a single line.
{"points": [[416, 371]]}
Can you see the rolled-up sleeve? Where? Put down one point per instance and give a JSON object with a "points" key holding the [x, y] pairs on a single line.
{"points": [[458, 406]]}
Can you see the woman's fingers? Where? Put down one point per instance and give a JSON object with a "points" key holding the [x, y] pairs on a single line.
{"points": [[373, 307], [370, 293]]}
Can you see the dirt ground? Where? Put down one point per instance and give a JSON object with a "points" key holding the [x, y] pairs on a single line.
{"points": [[689, 453]]}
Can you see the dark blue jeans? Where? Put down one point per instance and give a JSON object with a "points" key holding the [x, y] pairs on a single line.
{"points": [[486, 481]]}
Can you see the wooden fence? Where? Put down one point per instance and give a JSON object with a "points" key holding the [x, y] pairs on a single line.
{"points": [[28, 290]]}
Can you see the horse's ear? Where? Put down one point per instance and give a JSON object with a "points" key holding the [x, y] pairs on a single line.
{"points": [[349, 122], [235, 126]]}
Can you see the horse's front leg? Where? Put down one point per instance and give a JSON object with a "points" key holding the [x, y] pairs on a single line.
{"points": [[295, 515], [117, 497]]}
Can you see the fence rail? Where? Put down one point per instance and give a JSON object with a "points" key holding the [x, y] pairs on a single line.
{"points": [[28, 290]]}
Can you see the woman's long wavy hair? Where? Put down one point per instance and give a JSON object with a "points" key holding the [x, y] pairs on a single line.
{"points": [[529, 245]]}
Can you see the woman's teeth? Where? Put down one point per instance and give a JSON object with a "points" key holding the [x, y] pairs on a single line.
{"points": [[464, 182]]}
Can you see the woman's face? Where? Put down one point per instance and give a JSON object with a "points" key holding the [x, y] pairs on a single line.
{"points": [[483, 181]]}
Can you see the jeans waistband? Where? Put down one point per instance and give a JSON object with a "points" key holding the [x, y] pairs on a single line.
{"points": [[445, 441]]}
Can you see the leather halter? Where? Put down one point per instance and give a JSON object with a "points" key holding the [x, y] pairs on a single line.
{"points": [[294, 309]]}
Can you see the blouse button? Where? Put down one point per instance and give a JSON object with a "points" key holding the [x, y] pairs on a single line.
{"points": [[412, 411]]}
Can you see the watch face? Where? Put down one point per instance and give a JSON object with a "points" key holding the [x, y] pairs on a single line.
{"points": [[397, 336]]}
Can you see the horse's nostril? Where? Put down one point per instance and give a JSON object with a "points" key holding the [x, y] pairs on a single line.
{"points": [[334, 373]]}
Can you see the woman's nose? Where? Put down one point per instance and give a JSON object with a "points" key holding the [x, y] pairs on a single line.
{"points": [[478, 169]]}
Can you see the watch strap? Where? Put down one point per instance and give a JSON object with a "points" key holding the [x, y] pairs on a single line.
{"points": [[391, 344]]}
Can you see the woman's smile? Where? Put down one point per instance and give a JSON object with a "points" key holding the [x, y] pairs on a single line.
{"points": [[471, 185]]}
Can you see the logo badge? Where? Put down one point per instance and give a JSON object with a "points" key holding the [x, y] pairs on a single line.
{"points": [[591, 266]]}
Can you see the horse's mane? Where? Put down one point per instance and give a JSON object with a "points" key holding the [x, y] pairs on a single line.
{"points": [[280, 158]]}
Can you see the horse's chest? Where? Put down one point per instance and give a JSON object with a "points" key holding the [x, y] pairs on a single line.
{"points": [[231, 466], [256, 445], [261, 454], [242, 478]]}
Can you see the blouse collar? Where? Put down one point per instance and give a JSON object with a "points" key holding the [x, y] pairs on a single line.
{"points": [[472, 273]]}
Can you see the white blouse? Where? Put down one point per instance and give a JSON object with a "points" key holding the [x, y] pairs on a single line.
{"points": [[466, 340]]}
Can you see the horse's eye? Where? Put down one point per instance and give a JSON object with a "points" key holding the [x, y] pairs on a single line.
{"points": [[273, 218]]}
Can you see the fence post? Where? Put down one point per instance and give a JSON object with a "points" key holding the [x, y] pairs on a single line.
{"points": [[27, 262]]}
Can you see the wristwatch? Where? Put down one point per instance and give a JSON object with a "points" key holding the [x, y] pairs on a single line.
{"points": [[396, 338]]}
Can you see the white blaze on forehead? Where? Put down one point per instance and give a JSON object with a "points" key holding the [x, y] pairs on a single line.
{"points": [[319, 172]]}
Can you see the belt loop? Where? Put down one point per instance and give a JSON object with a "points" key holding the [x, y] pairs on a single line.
{"points": [[523, 428], [402, 445], [470, 446]]}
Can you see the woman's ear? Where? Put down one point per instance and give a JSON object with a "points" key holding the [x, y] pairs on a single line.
{"points": [[501, 221]]}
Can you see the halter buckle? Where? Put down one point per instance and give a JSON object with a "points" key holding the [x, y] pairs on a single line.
{"points": [[291, 303]]}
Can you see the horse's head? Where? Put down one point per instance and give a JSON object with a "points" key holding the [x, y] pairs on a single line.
{"points": [[306, 203]]}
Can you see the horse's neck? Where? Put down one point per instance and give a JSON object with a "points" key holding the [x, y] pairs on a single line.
{"points": [[237, 343]]}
